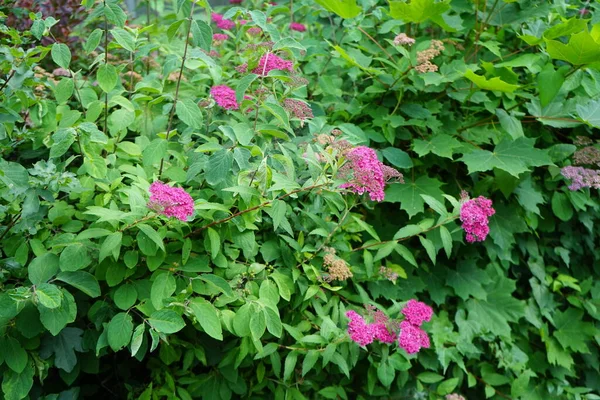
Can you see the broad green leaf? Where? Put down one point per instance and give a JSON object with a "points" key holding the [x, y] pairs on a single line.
{"points": [[241, 320], [124, 38], [74, 257], [154, 152], [290, 364], [114, 13], [343, 8], [16, 386], [55, 319], [418, 10], [107, 77], [61, 55], [468, 280], [42, 268], [242, 85], [189, 112], [397, 157], [81, 280], [309, 362], [64, 346], [429, 377], [93, 41], [166, 321], [571, 331], [510, 124], [409, 193], [218, 283], [153, 235], [48, 295], [258, 324], [441, 145], [163, 286], [137, 339], [120, 329], [125, 296], [528, 196], [566, 28], [581, 49], [514, 157], [218, 167], [561, 206], [201, 34], [386, 373], [64, 90], [111, 246], [429, 248], [14, 354], [590, 112], [207, 317], [495, 83], [549, 83]]}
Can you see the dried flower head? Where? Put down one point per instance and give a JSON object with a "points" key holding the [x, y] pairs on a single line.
{"points": [[170, 201], [403, 40], [242, 69], [424, 57], [388, 273], [587, 155], [582, 141], [336, 267], [454, 396]]}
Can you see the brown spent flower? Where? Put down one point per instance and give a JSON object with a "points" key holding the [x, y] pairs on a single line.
{"points": [[582, 141], [402, 39], [337, 268], [424, 57], [298, 109], [587, 155]]}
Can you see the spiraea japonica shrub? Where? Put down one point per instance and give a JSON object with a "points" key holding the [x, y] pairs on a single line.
{"points": [[343, 200]]}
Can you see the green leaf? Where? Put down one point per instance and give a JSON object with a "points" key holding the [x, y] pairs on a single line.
{"points": [[441, 145], [468, 280], [258, 324], [429, 377], [446, 240], [418, 10], [242, 85], [549, 83], [409, 194], [201, 34], [55, 319], [115, 14], [37, 29], [290, 362], [189, 112], [528, 196], [125, 296], [447, 386], [16, 386], [64, 91], [218, 283], [154, 152], [153, 235], [137, 339], [107, 77], [93, 41], [589, 112], [14, 354], [510, 124], [343, 8], [514, 157], [429, 248], [43, 268], [561, 206], [124, 38], [81, 280], [571, 331], [48, 295], [496, 83], [166, 321], [218, 167], [309, 362], [279, 113], [386, 373], [274, 325], [61, 55], [64, 346], [111, 245], [397, 157], [74, 257], [581, 49], [207, 317], [120, 329], [163, 286], [241, 320]]}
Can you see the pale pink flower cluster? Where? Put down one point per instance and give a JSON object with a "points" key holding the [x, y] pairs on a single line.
{"points": [[474, 215], [454, 396], [254, 31], [222, 23], [298, 109], [368, 173], [402, 39], [269, 62], [581, 177], [220, 37], [170, 201], [424, 57], [224, 96], [296, 26]]}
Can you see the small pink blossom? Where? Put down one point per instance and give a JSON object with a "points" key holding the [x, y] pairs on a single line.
{"points": [[254, 31], [225, 97], [215, 17], [581, 177], [412, 338], [298, 109], [220, 37], [403, 39], [170, 201], [359, 331], [269, 62], [417, 312], [296, 26], [242, 21], [224, 24], [382, 333], [235, 1], [474, 215]]}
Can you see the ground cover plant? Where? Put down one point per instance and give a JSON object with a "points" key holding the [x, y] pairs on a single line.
{"points": [[330, 199]]}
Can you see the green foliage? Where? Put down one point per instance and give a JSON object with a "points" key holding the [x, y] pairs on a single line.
{"points": [[103, 294]]}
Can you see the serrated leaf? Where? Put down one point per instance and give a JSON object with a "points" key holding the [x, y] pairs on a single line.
{"points": [[589, 112], [42, 268], [207, 317], [418, 10], [218, 167], [441, 145], [189, 112], [166, 321], [61, 55], [14, 354], [201, 34], [152, 235], [81, 280], [48, 295], [343, 8], [137, 339], [120, 329], [581, 49], [124, 38], [495, 83], [107, 77], [409, 194]]}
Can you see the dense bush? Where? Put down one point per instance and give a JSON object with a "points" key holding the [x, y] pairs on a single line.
{"points": [[194, 208]]}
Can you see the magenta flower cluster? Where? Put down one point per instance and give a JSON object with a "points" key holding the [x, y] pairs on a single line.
{"points": [[296, 26], [269, 62], [224, 96], [411, 338], [581, 177], [368, 173], [220, 37], [170, 201], [222, 23], [474, 215]]}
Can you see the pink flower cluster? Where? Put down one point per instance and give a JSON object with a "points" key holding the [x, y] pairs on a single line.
{"points": [[369, 174], [474, 215], [170, 201], [224, 24], [254, 31], [364, 333], [224, 96], [298, 109], [412, 337], [581, 177], [220, 37], [269, 62], [296, 26]]}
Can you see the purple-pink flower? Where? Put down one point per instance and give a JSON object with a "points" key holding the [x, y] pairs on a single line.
{"points": [[382, 333], [581, 177], [412, 338], [224, 24], [474, 215], [296, 26], [368, 173], [269, 62], [170, 201], [224, 96], [359, 331], [254, 31], [235, 1], [220, 37], [417, 312]]}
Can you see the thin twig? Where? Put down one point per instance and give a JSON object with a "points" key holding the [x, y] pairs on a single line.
{"points": [[172, 114], [12, 73], [105, 63], [12, 223]]}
